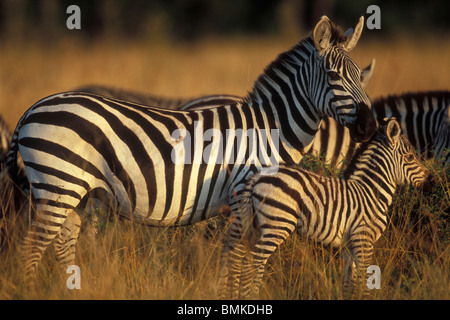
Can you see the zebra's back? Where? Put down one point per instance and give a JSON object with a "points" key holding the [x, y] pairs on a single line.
{"points": [[134, 96]]}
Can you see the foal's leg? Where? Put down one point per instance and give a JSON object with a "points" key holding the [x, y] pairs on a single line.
{"points": [[273, 231], [359, 258]]}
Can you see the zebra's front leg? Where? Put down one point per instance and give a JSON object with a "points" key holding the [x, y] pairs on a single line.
{"points": [[43, 230], [66, 240]]}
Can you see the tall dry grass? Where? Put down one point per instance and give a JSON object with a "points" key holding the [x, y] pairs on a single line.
{"points": [[128, 261]]}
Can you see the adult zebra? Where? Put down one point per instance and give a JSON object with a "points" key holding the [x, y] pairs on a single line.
{"points": [[424, 117], [73, 144], [348, 211]]}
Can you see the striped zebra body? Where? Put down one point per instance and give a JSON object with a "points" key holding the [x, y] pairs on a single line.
{"points": [[78, 144], [424, 117], [334, 211]]}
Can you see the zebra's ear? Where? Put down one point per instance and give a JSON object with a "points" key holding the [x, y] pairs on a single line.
{"points": [[367, 73], [353, 38], [322, 34], [393, 131]]}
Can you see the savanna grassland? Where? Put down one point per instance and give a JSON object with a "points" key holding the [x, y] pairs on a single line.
{"points": [[128, 261]]}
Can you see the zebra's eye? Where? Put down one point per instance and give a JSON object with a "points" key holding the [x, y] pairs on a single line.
{"points": [[409, 157], [334, 75]]}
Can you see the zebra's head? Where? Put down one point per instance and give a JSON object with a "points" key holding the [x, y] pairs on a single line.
{"points": [[336, 82], [407, 167]]}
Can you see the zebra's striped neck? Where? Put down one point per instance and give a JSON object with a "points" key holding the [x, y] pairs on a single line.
{"points": [[370, 172], [281, 93]]}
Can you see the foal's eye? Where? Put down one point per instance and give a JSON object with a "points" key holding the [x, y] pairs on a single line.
{"points": [[334, 75], [409, 157]]}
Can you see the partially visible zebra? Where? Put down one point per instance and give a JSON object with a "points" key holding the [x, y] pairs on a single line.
{"points": [[76, 144], [5, 139], [348, 211], [424, 117]]}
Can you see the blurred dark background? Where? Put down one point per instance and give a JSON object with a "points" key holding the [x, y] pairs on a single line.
{"points": [[191, 20]]}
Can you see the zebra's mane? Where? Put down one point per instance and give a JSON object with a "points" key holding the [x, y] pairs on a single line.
{"points": [[338, 35], [360, 150], [378, 136], [295, 56]]}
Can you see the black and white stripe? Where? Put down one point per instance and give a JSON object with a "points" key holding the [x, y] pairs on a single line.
{"points": [[424, 117], [75, 145], [348, 211]]}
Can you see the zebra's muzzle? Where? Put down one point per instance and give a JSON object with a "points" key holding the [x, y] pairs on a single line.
{"points": [[428, 184], [365, 125]]}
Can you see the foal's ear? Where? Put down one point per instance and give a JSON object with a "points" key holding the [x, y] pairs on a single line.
{"points": [[322, 34], [393, 131]]}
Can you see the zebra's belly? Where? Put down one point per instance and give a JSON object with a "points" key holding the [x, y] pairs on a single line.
{"points": [[172, 217], [171, 208], [328, 236]]}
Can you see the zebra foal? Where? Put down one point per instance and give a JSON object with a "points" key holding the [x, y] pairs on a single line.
{"points": [[348, 211]]}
